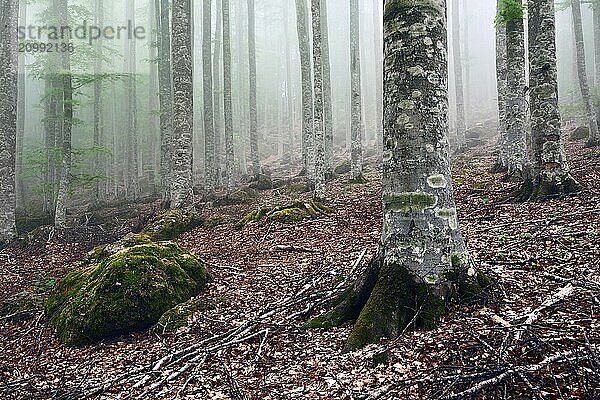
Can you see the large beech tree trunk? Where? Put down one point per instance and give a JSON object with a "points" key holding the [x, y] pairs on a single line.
{"points": [[8, 117], [422, 254], [210, 157], [516, 105], [254, 155], [183, 103], [584, 85], [356, 171], [227, 101], [549, 172]]}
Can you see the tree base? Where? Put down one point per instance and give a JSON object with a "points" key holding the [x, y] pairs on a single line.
{"points": [[386, 299], [543, 188]]}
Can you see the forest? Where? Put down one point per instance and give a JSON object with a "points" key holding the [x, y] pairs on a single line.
{"points": [[299, 199]]}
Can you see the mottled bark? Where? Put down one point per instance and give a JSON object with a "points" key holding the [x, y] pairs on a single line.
{"points": [[549, 172], [207, 73], [60, 215], [165, 97], [327, 104], [8, 117], [355, 95], [377, 41], [422, 254], [227, 105], [217, 70], [132, 184], [307, 88], [501, 84], [590, 113], [22, 77], [254, 156], [97, 124], [290, 142], [597, 41], [461, 124], [183, 105], [516, 105], [319, 134]]}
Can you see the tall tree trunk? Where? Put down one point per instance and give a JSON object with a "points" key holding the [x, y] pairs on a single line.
{"points": [[597, 41], [327, 105], [422, 254], [153, 106], [8, 117], [288, 86], [252, 79], [307, 88], [501, 71], [218, 98], [209, 127], [227, 105], [319, 143], [60, 215], [378, 72], [461, 124], [98, 125], [20, 188], [183, 105], [356, 172], [165, 97], [132, 182], [549, 172], [516, 149], [592, 118]]}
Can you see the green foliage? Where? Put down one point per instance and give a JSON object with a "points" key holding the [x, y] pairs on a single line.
{"points": [[509, 10]]}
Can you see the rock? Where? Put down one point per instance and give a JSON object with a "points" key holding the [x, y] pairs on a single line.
{"points": [[22, 306], [178, 316], [297, 211], [241, 196], [127, 291], [171, 224], [343, 167], [580, 133], [261, 182]]}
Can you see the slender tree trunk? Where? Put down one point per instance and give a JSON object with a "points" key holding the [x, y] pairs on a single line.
{"points": [[252, 79], [422, 255], [597, 41], [327, 105], [98, 126], [227, 105], [218, 98], [209, 127], [461, 125], [501, 71], [8, 117], [153, 90], [132, 183], [183, 105], [288, 86], [165, 95], [20, 188], [319, 143], [355, 95], [516, 149], [592, 118], [60, 216], [378, 72], [549, 172], [307, 88]]}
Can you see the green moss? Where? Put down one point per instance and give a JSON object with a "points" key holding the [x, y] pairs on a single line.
{"points": [[177, 317], [127, 291], [391, 307], [171, 224], [410, 201], [104, 251], [295, 212]]}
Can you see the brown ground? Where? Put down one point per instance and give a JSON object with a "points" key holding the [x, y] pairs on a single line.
{"points": [[529, 247]]}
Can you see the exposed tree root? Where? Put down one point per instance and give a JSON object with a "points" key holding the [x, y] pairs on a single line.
{"points": [[533, 189], [294, 212]]}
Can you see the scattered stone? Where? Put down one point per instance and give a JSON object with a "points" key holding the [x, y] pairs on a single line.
{"points": [[580, 133], [343, 167], [297, 211], [261, 182], [240, 196], [171, 224]]}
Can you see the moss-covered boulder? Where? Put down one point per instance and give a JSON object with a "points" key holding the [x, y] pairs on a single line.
{"points": [[343, 167], [580, 133], [127, 291], [261, 182], [172, 223], [102, 252], [179, 316]]}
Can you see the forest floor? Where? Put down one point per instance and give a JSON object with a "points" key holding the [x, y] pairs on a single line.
{"points": [[538, 252]]}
